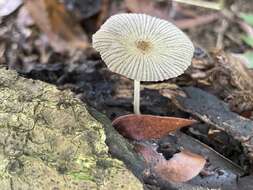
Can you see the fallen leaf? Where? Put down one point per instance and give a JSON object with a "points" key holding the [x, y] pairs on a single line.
{"points": [[140, 127], [181, 167], [62, 29], [8, 6]]}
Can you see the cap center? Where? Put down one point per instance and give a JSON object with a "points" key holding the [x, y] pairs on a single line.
{"points": [[143, 46]]}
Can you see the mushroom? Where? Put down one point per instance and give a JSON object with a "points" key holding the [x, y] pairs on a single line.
{"points": [[143, 48]]}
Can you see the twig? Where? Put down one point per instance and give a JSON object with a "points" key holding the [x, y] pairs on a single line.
{"points": [[221, 32], [205, 4], [190, 23]]}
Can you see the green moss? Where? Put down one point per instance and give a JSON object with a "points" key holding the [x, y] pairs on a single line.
{"points": [[82, 175]]}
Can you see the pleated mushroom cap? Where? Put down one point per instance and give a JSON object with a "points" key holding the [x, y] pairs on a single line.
{"points": [[142, 47]]}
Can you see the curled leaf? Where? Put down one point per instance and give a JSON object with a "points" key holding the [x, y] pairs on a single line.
{"points": [[181, 167], [141, 127]]}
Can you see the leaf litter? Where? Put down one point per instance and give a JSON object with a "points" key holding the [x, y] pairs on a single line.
{"points": [[224, 77], [63, 31], [182, 167]]}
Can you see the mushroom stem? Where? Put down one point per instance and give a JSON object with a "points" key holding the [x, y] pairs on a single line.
{"points": [[136, 97]]}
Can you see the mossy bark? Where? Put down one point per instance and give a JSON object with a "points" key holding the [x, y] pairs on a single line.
{"points": [[49, 140]]}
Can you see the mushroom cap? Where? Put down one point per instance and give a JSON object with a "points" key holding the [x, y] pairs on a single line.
{"points": [[142, 47]]}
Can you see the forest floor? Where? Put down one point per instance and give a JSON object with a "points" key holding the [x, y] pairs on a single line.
{"points": [[220, 77]]}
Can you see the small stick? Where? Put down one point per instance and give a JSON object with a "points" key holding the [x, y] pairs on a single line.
{"points": [[136, 97], [205, 4], [221, 32]]}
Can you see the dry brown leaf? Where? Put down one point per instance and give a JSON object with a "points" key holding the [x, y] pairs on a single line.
{"points": [[181, 167], [139, 127], [63, 31]]}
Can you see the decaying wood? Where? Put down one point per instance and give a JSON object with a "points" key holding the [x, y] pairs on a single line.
{"points": [[49, 140], [227, 76], [216, 113]]}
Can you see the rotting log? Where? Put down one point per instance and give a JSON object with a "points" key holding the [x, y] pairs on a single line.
{"points": [[48, 139], [215, 112]]}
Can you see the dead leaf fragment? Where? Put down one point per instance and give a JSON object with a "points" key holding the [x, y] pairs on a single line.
{"points": [[62, 29], [140, 127], [181, 167], [8, 6]]}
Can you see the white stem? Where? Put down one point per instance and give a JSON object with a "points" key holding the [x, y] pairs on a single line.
{"points": [[136, 97]]}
